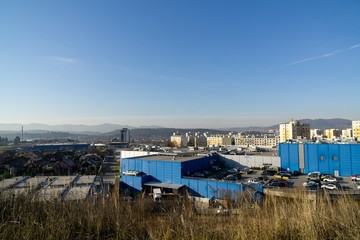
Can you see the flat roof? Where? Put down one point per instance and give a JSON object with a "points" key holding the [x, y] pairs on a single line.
{"points": [[78, 193], [63, 180], [5, 183], [86, 179], [32, 182], [50, 193], [168, 158], [164, 185]]}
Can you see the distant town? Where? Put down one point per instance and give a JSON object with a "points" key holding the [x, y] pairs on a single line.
{"points": [[208, 164]]}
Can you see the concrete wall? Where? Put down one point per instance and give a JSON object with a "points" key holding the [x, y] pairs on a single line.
{"points": [[250, 161]]}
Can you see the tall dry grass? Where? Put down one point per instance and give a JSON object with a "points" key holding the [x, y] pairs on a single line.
{"points": [[276, 218]]}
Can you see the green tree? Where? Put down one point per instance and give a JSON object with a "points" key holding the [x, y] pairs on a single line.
{"points": [[16, 140]]}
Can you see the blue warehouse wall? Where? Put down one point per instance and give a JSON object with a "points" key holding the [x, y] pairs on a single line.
{"points": [[164, 171], [211, 189], [289, 154], [326, 158], [355, 156], [134, 183]]}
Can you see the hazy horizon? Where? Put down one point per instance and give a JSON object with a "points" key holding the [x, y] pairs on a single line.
{"points": [[210, 64]]}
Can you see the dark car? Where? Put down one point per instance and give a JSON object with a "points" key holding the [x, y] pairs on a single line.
{"points": [[269, 172], [232, 177]]}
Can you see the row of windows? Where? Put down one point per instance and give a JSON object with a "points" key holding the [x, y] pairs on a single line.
{"points": [[323, 158]]}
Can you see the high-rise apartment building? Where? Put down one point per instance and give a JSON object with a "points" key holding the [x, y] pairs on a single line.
{"points": [[125, 135], [294, 130], [356, 129]]}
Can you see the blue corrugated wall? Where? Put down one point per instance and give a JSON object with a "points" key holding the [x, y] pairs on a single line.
{"points": [[209, 189], [326, 158], [289, 156]]}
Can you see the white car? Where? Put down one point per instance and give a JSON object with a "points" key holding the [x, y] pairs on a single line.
{"points": [[355, 177], [310, 184], [314, 173], [329, 178], [255, 181], [329, 186]]}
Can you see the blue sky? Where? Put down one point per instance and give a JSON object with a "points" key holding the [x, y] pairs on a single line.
{"points": [[179, 63]]}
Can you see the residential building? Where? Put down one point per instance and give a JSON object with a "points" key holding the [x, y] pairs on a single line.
{"points": [[331, 133], [356, 129], [294, 130], [347, 133], [179, 140], [218, 140], [257, 140], [315, 133]]}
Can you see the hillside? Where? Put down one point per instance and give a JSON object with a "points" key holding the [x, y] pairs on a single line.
{"points": [[333, 123]]}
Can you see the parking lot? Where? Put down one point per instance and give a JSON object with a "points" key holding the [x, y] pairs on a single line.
{"points": [[343, 183]]}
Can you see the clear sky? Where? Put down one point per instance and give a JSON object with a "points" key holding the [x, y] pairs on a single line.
{"points": [[179, 63]]}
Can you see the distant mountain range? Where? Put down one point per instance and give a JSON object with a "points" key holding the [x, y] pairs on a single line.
{"points": [[108, 129]]}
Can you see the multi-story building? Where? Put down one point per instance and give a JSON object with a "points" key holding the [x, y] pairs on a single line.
{"points": [[294, 130], [219, 140], [356, 129], [200, 140], [125, 135], [179, 140], [347, 133], [315, 133], [258, 140], [331, 133]]}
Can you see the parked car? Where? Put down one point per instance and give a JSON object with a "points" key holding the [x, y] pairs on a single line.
{"points": [[283, 174], [313, 177], [269, 172], [328, 178], [232, 177], [278, 182], [310, 184], [232, 171], [246, 170], [256, 181], [355, 177], [314, 173], [329, 186]]}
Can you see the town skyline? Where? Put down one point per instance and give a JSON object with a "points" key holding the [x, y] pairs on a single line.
{"points": [[179, 63]]}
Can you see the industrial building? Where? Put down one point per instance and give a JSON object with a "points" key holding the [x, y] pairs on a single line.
{"points": [[336, 159], [172, 175]]}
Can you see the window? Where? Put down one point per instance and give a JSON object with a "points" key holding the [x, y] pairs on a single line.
{"points": [[334, 158], [322, 158]]}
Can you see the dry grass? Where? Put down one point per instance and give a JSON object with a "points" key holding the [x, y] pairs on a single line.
{"points": [[276, 218]]}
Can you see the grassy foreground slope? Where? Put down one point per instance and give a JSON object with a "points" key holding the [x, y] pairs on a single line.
{"points": [[143, 219]]}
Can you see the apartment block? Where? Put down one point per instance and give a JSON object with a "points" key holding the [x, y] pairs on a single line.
{"points": [[179, 140], [331, 133], [218, 140], [356, 129], [294, 130], [260, 140], [347, 133]]}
